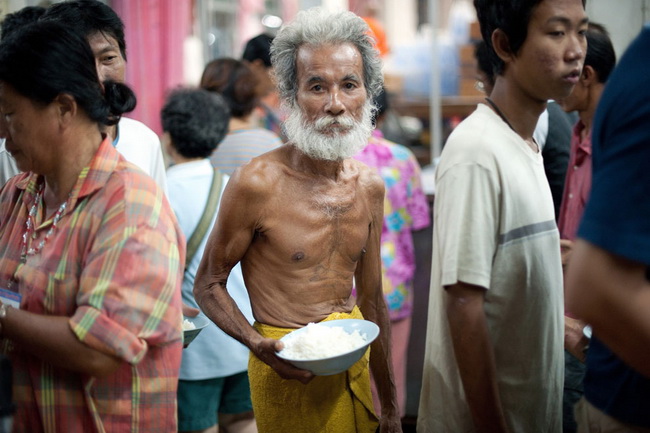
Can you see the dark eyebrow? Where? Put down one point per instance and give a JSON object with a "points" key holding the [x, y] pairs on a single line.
{"points": [[351, 77], [566, 21], [314, 79]]}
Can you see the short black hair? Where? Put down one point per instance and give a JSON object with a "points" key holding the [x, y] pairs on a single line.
{"points": [[20, 18], [600, 51], [196, 119], [45, 59], [235, 81], [87, 17], [512, 17], [259, 48]]}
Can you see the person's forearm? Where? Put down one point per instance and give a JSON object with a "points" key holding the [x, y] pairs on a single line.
{"points": [[51, 339], [476, 365], [612, 294], [381, 368], [374, 309], [380, 365], [221, 308]]}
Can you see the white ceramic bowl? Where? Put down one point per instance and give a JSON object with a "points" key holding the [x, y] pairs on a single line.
{"points": [[199, 322], [339, 363]]}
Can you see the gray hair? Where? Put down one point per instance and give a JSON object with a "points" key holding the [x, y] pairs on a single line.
{"points": [[316, 27]]}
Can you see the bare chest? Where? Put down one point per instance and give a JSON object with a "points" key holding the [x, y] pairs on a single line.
{"points": [[308, 225]]}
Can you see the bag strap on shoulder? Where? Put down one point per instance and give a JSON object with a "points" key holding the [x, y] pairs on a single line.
{"points": [[208, 214]]}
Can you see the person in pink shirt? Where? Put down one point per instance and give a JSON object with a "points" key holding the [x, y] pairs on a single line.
{"points": [[405, 210], [599, 63]]}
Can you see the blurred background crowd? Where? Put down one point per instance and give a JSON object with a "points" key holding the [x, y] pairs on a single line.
{"points": [[431, 75]]}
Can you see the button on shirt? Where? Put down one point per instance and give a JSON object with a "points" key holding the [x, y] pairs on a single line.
{"points": [[577, 184]]}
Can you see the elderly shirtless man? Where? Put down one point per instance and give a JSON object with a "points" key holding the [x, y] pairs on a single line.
{"points": [[303, 220]]}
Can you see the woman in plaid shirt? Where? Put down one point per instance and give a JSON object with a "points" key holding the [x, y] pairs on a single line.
{"points": [[90, 258]]}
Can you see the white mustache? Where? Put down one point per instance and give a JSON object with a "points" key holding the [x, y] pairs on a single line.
{"points": [[347, 138], [325, 122]]}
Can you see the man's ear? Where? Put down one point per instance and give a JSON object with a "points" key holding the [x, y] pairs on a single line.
{"points": [[67, 108], [501, 45], [588, 76]]}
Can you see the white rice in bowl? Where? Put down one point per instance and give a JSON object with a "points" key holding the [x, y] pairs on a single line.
{"points": [[318, 342]]}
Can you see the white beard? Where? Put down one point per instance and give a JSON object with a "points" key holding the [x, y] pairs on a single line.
{"points": [[347, 136]]}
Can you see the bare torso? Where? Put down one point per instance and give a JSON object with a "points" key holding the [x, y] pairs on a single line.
{"points": [[310, 233], [300, 229]]}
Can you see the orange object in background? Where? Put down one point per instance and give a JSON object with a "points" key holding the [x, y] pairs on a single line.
{"points": [[377, 30]]}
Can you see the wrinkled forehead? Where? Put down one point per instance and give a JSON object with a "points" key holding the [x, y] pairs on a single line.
{"points": [[329, 60]]}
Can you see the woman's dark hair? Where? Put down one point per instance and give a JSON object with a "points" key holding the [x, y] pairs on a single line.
{"points": [[196, 120], [235, 81], [600, 51], [20, 18], [45, 59], [512, 17], [87, 17]]}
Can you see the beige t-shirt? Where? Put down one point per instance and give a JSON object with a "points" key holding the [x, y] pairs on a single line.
{"points": [[494, 227]]}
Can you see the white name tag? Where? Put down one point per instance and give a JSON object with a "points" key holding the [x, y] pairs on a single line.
{"points": [[10, 298]]}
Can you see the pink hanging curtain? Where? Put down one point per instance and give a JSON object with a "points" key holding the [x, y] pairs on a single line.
{"points": [[289, 10], [248, 22], [155, 31]]}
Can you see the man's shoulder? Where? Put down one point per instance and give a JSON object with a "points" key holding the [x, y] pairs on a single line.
{"points": [[482, 123], [260, 173], [476, 138]]}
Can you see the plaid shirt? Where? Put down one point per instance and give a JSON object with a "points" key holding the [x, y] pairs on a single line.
{"points": [[114, 266]]}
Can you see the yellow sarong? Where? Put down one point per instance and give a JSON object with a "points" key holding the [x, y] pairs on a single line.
{"points": [[341, 403]]}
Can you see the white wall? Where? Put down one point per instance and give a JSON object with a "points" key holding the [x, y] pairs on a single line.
{"points": [[623, 19], [401, 21]]}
